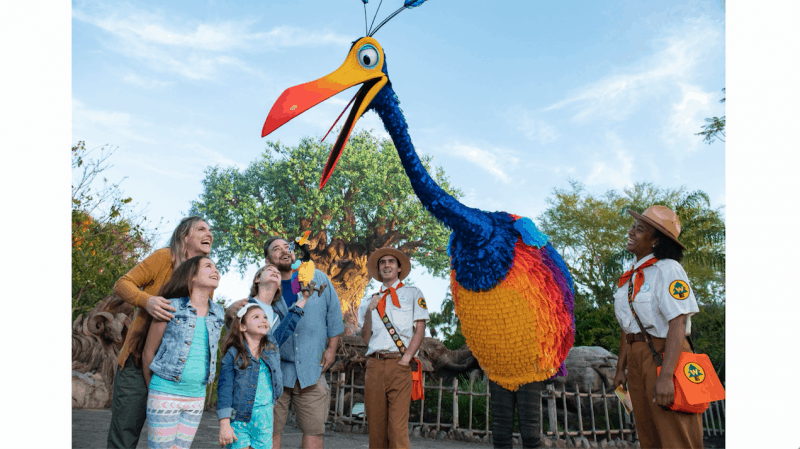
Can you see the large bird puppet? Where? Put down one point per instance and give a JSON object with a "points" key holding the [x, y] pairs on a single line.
{"points": [[512, 291]]}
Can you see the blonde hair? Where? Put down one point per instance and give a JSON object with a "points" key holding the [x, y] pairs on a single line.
{"points": [[177, 244], [254, 285]]}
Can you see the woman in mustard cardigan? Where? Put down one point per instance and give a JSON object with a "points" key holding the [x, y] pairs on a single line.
{"points": [[139, 288]]}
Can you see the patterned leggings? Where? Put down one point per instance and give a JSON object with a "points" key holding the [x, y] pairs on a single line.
{"points": [[172, 419]]}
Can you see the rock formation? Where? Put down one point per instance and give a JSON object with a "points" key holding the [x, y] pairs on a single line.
{"points": [[96, 341], [433, 355]]}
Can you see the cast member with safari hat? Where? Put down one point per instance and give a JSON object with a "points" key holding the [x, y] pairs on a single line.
{"points": [[393, 325], [657, 290]]}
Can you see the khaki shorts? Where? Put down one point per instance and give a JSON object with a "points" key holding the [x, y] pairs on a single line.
{"points": [[311, 405]]}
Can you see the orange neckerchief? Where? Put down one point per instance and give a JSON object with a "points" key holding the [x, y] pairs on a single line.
{"points": [[639, 277], [395, 300]]}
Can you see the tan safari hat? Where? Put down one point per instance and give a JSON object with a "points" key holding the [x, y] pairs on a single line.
{"points": [[372, 263], [663, 219]]}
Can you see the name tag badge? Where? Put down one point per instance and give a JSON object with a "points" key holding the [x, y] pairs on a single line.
{"points": [[645, 287]]}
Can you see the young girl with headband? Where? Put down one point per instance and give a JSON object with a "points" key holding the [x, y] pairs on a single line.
{"points": [[250, 380]]}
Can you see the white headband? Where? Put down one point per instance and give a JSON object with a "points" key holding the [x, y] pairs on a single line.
{"points": [[268, 314], [243, 311]]}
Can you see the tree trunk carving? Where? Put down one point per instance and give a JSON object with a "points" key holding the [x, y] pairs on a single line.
{"points": [[346, 266]]}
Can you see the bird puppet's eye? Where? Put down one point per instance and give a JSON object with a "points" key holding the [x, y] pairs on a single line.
{"points": [[368, 56]]}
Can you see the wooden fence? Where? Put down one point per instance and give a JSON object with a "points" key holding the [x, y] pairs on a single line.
{"points": [[561, 411]]}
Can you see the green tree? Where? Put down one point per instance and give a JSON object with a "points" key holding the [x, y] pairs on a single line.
{"points": [[590, 232], [714, 128], [367, 204], [446, 323], [708, 331], [108, 234]]}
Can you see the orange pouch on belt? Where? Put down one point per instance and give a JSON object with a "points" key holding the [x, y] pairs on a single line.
{"points": [[696, 383], [417, 388]]}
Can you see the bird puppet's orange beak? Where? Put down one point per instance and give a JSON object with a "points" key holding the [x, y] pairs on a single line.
{"points": [[303, 238], [298, 99]]}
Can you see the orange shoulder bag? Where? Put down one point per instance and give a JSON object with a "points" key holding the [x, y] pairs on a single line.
{"points": [[696, 382]]}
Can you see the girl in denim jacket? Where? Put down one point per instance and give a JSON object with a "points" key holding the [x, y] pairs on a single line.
{"points": [[250, 380], [180, 356]]}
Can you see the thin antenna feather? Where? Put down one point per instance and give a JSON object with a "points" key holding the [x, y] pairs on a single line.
{"points": [[372, 33], [373, 17]]}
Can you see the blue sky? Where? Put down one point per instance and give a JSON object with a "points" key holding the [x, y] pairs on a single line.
{"points": [[64, 79], [513, 99]]}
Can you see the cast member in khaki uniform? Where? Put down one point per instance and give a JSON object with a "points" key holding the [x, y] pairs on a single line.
{"points": [[664, 303], [388, 378]]}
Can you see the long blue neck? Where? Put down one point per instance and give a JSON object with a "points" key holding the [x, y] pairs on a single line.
{"points": [[465, 221]]}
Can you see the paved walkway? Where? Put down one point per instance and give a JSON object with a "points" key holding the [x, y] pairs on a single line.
{"points": [[90, 428]]}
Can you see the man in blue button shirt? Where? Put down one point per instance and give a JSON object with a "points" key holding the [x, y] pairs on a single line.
{"points": [[307, 354]]}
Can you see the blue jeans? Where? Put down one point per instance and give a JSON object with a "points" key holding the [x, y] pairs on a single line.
{"points": [[526, 402]]}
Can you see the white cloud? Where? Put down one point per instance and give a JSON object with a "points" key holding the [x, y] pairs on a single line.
{"points": [[630, 88], [321, 118], [491, 161], [130, 23], [145, 83], [686, 118], [615, 172], [191, 64], [703, 99], [181, 161], [86, 122], [204, 156], [372, 122], [194, 51], [163, 170], [533, 128], [481, 200]]}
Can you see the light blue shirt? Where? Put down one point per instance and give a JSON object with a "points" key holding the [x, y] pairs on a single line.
{"points": [[264, 388], [194, 371], [301, 354]]}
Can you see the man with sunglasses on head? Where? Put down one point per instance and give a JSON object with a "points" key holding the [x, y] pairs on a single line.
{"points": [[307, 354]]}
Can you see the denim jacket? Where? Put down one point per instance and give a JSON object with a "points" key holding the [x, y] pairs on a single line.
{"points": [[171, 356], [236, 389], [287, 320]]}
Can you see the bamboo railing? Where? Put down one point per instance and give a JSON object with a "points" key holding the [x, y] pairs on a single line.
{"points": [[613, 422]]}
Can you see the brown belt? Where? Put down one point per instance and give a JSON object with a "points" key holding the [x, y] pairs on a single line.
{"points": [[386, 355], [630, 338]]}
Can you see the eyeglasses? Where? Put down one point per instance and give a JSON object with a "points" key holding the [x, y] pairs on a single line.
{"points": [[285, 248], [288, 248]]}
